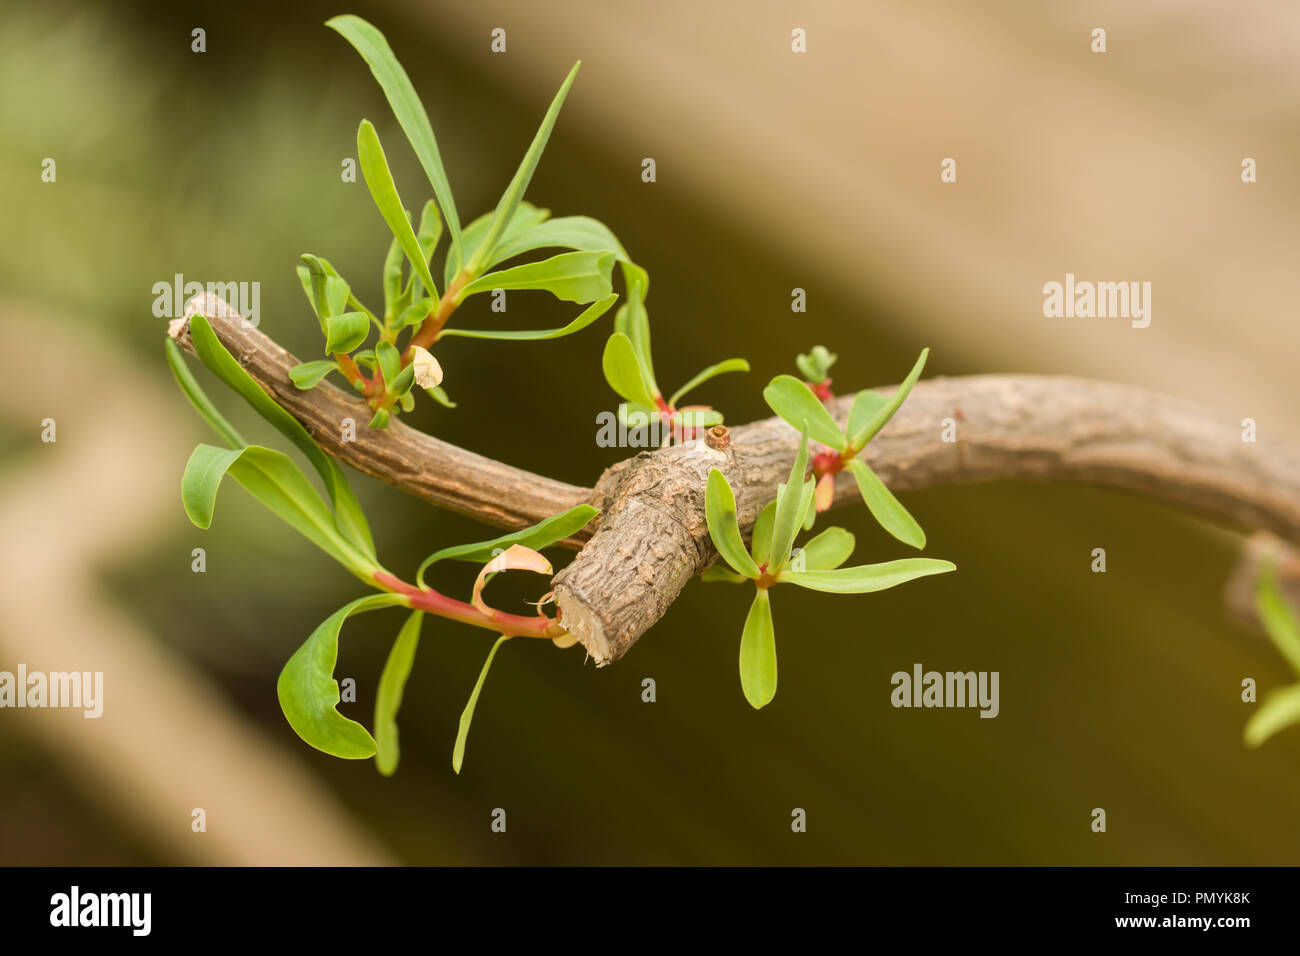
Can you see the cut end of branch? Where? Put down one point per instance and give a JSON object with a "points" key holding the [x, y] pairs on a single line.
{"points": [[580, 620]]}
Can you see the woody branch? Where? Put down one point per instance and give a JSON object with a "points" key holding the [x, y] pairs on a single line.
{"points": [[651, 536]]}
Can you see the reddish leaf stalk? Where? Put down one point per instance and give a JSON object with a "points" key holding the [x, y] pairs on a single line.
{"points": [[434, 602]]}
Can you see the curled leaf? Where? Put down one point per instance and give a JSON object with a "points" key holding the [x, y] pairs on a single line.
{"points": [[428, 373], [514, 558]]}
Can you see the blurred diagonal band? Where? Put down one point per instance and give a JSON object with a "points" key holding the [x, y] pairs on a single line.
{"points": [[652, 537]]}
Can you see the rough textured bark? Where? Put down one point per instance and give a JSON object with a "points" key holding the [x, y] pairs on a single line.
{"points": [[651, 537]]}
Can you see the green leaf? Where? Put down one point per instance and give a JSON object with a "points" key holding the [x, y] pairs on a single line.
{"points": [[441, 397], [308, 374], [1279, 710], [414, 314], [867, 577], [198, 398], [816, 365], [274, 480], [379, 419], [514, 193], [795, 402], [374, 49], [865, 406], [430, 230], [886, 509], [724, 526], [580, 277], [392, 278], [717, 573], [346, 332], [541, 535], [390, 360], [388, 698], [401, 385], [758, 652], [309, 694], [374, 167], [590, 315], [348, 516], [624, 372], [581, 233], [790, 509], [730, 365], [1277, 616], [633, 320], [337, 294], [313, 274], [887, 410], [697, 417], [827, 550], [467, 715], [526, 217], [761, 539]]}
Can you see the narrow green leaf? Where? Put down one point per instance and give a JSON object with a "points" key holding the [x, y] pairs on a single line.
{"points": [[865, 406], [867, 577], [590, 315], [467, 715], [392, 275], [345, 332], [724, 526], [337, 294], [795, 402], [1277, 616], [388, 698], [348, 516], [887, 410], [379, 419], [374, 167], [827, 550], [441, 397], [514, 193], [633, 320], [526, 217], [312, 274], [885, 508], [1278, 710], [390, 360], [761, 540], [580, 233], [198, 398], [274, 480], [541, 535], [309, 694], [374, 49], [758, 652], [580, 277], [204, 472], [730, 365], [415, 313], [790, 509], [624, 373], [430, 230], [401, 385], [308, 374]]}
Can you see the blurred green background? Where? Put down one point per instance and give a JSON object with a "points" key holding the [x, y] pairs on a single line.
{"points": [[1118, 690]]}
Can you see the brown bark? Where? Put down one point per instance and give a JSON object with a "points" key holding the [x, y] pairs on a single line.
{"points": [[651, 537]]}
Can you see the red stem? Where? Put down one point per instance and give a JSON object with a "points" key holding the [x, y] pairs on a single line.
{"points": [[427, 599]]}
